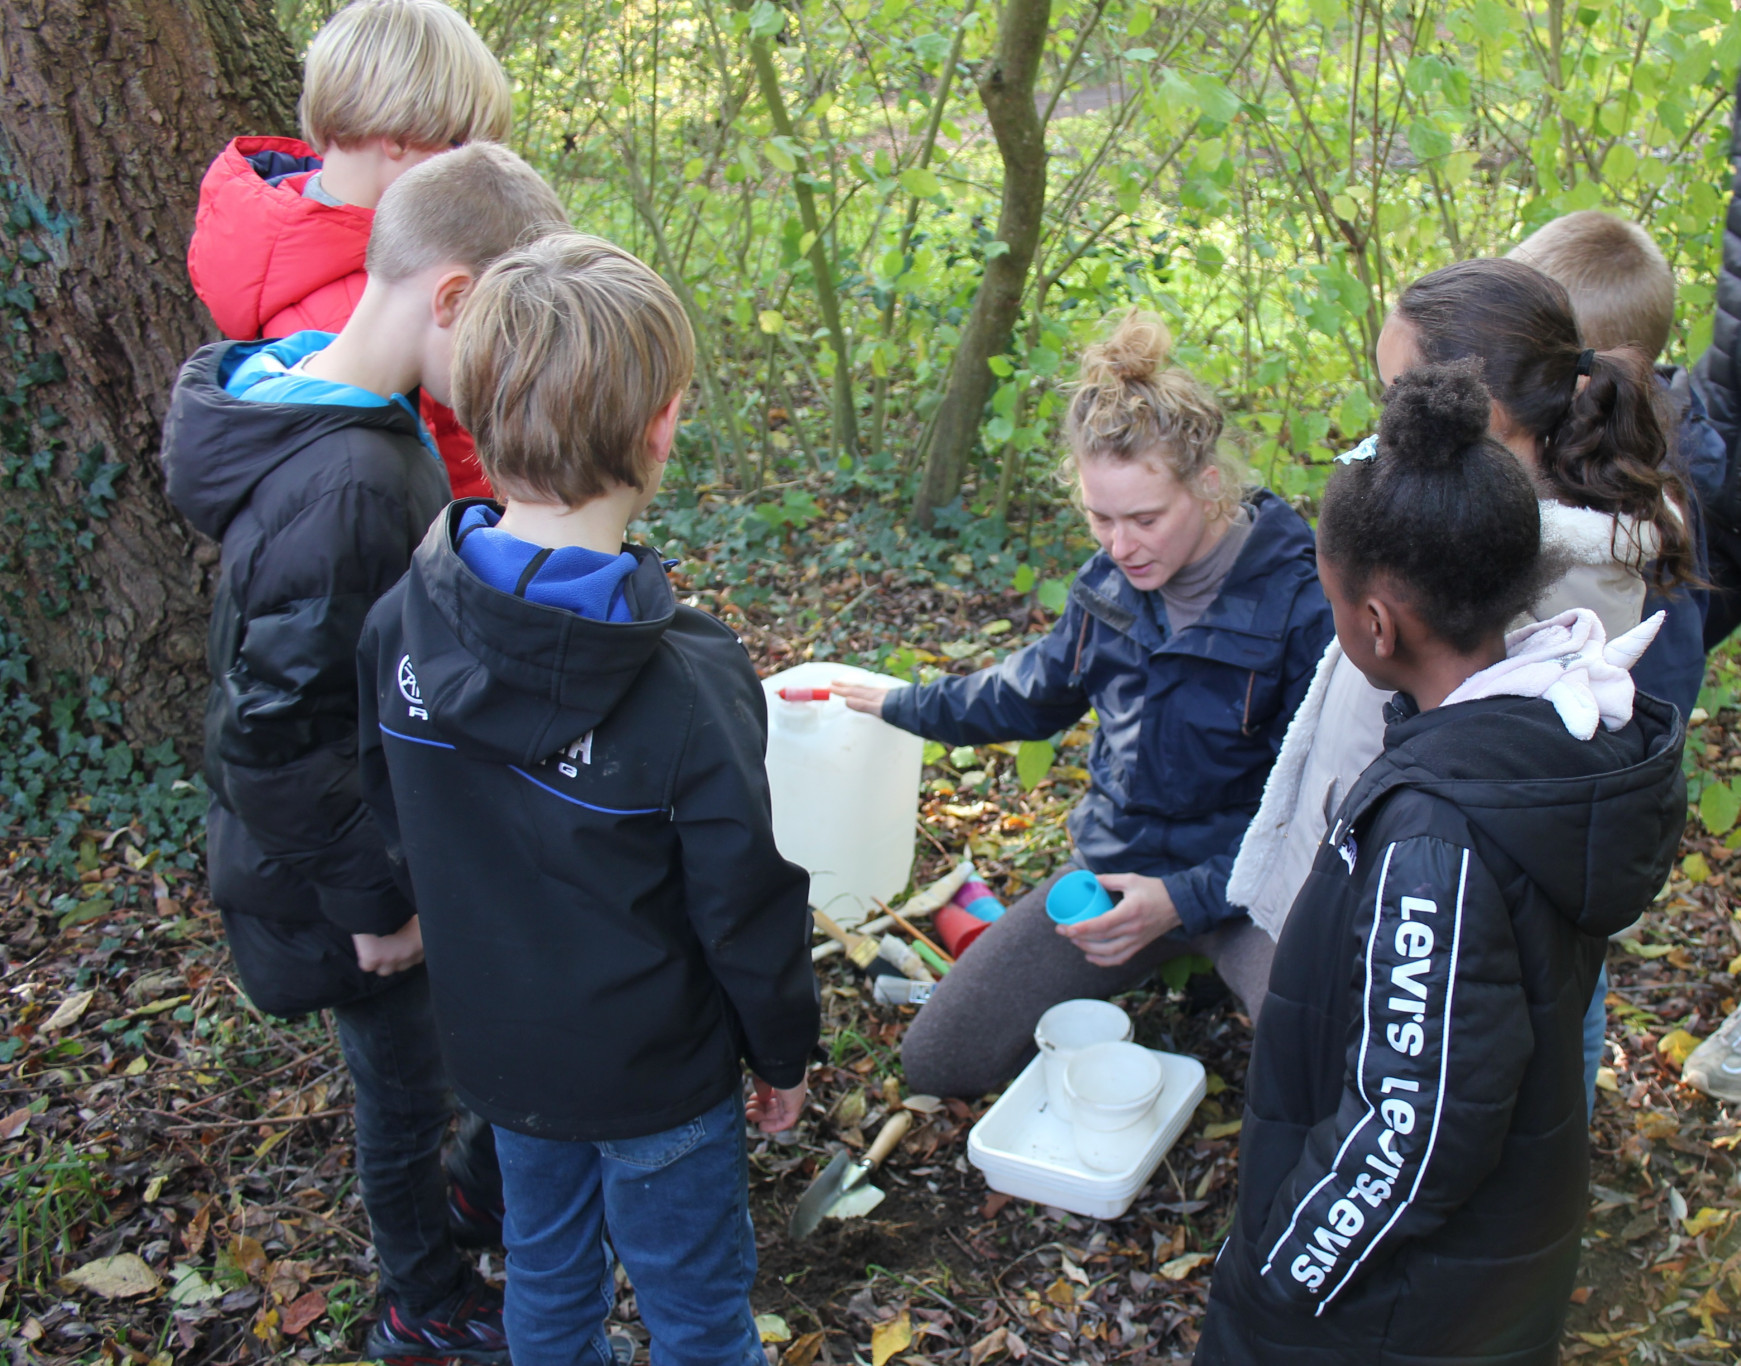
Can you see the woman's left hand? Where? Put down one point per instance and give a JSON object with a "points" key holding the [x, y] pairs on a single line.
{"points": [[1145, 913]]}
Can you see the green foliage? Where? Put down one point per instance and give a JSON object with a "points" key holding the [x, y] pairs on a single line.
{"points": [[1034, 762], [65, 778], [45, 1200], [1719, 806], [1265, 173]]}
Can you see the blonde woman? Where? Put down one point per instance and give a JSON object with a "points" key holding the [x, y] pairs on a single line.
{"points": [[1192, 634]]}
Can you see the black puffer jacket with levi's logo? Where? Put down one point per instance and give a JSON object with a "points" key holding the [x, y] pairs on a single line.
{"points": [[1414, 1159], [582, 810]]}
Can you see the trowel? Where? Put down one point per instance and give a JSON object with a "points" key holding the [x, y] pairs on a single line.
{"points": [[842, 1189]]}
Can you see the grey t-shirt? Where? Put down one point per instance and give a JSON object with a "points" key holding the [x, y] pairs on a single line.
{"points": [[1188, 593], [313, 189]]}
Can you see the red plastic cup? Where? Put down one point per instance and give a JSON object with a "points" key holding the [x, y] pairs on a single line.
{"points": [[958, 929]]}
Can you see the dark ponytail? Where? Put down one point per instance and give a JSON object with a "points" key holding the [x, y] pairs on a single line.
{"points": [[1602, 442]]}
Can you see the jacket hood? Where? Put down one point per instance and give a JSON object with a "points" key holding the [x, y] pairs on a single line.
{"points": [[510, 681], [1595, 823], [217, 447], [259, 246]]}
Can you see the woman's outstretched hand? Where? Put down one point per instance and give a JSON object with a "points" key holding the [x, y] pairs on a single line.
{"points": [[1145, 913], [865, 697]]}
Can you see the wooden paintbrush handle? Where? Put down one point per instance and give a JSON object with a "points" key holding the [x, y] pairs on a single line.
{"points": [[888, 1138]]}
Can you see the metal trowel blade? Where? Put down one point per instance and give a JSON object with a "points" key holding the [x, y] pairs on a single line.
{"points": [[823, 1192], [857, 1202]]}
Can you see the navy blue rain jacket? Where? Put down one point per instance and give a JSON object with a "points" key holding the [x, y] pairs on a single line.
{"points": [[1190, 722]]}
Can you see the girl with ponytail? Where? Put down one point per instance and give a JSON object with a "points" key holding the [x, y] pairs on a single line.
{"points": [[1414, 1165], [1590, 430], [1192, 634]]}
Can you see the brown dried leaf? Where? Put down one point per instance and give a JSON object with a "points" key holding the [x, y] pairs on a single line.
{"points": [[14, 1123], [804, 1351], [302, 1311]]}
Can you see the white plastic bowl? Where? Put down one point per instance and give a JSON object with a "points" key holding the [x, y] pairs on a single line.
{"points": [[1065, 1030]]}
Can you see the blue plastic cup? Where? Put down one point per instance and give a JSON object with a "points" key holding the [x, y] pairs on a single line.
{"points": [[1077, 896]]}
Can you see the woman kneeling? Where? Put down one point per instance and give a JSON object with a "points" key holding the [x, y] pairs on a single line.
{"points": [[1192, 634]]}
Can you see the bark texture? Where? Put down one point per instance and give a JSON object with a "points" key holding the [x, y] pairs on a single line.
{"points": [[110, 111], [1006, 87]]}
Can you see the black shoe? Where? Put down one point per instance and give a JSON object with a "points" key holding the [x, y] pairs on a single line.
{"points": [[467, 1326], [474, 1186], [472, 1220]]}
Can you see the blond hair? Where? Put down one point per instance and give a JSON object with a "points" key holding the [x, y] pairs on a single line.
{"points": [[1621, 286], [463, 208], [410, 70], [565, 352], [1128, 403]]}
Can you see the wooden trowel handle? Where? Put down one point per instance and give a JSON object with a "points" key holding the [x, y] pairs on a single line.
{"points": [[888, 1138], [833, 931]]}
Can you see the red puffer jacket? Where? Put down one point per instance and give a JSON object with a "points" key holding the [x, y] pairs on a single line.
{"points": [[268, 262]]}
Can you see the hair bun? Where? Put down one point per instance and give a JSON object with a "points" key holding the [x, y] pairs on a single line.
{"points": [[1136, 349], [1434, 413]]}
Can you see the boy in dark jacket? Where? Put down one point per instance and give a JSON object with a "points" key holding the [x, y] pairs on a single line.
{"points": [[283, 224], [572, 765], [1622, 292], [1414, 1159], [307, 459]]}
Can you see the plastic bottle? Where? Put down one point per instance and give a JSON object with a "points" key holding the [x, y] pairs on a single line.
{"points": [[845, 789]]}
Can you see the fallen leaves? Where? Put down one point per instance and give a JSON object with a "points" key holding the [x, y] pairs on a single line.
{"points": [[896, 1335], [68, 1011], [14, 1123], [120, 1277]]}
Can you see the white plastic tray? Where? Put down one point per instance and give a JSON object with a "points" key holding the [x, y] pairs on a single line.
{"points": [[1027, 1151]]}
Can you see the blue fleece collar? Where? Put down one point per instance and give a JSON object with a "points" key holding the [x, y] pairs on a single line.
{"points": [[588, 583], [265, 372]]}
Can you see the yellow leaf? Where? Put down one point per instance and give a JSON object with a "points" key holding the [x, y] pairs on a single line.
{"points": [[1707, 1218], [1676, 1044], [771, 322], [888, 1338], [154, 1188], [1655, 1124], [1181, 1267], [1607, 1079], [114, 1278], [804, 1351], [69, 1010], [773, 1328], [271, 1141], [1227, 1130], [1696, 869], [136, 1068], [1060, 1293]]}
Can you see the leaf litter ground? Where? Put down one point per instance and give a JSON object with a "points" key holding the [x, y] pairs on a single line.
{"points": [[175, 1174]]}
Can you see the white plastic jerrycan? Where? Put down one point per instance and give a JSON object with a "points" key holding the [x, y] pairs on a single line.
{"points": [[846, 791]]}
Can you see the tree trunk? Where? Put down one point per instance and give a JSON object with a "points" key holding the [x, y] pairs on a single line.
{"points": [[110, 111], [1007, 89]]}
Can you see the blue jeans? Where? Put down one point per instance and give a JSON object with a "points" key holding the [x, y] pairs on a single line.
{"points": [[677, 1207], [1595, 1035]]}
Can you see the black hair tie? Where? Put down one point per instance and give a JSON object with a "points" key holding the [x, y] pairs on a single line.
{"points": [[1586, 361]]}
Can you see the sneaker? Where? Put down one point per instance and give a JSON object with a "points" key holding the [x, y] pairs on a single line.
{"points": [[622, 1349], [472, 1219], [465, 1327]]}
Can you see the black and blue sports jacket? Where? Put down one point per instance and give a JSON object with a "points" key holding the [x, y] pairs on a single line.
{"points": [[582, 810], [1414, 1157]]}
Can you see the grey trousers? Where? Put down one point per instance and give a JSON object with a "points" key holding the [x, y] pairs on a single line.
{"points": [[977, 1030]]}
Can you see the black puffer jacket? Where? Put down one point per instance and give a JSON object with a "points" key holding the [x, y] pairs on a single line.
{"points": [[1414, 1164], [583, 811], [318, 507], [1717, 375]]}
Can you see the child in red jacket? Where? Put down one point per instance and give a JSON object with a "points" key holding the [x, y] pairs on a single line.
{"points": [[282, 226]]}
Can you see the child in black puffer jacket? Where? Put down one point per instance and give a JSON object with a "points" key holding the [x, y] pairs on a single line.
{"points": [[1414, 1166]]}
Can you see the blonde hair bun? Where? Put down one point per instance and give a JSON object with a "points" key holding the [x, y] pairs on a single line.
{"points": [[1134, 351], [1130, 402]]}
